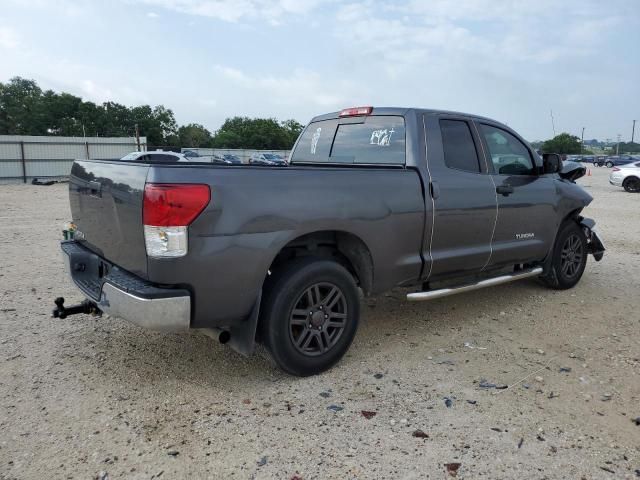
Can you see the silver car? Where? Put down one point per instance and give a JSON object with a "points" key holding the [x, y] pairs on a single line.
{"points": [[626, 176], [155, 156]]}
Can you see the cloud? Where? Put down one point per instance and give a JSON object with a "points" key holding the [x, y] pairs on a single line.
{"points": [[152, 15], [299, 88], [8, 38], [272, 11]]}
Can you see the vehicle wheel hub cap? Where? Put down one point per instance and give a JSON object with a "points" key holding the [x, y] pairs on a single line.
{"points": [[317, 319]]}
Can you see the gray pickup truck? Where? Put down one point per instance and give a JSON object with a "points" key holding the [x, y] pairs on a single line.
{"points": [[373, 198]]}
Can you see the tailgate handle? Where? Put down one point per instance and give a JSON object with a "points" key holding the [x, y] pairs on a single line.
{"points": [[95, 188]]}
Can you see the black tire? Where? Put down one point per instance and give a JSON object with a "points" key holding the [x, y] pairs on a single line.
{"points": [[302, 343], [609, 164], [569, 257], [631, 184]]}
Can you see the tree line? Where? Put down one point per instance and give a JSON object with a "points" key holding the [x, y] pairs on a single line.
{"points": [[25, 109], [565, 143]]}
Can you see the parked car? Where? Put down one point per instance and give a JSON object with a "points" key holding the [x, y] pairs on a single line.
{"points": [[627, 177], [190, 154], [599, 161], [437, 202], [226, 158], [155, 156], [272, 159], [611, 162], [231, 158]]}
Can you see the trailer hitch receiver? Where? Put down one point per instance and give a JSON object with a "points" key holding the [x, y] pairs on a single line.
{"points": [[86, 307]]}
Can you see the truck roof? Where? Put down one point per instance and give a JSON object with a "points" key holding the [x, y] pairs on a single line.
{"points": [[404, 111]]}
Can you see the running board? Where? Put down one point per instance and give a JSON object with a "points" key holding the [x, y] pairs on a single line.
{"points": [[489, 282]]}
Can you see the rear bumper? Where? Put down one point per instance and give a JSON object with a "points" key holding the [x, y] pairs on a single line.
{"points": [[121, 294]]}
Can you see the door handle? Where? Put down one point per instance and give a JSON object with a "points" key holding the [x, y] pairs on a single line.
{"points": [[504, 190], [435, 190]]}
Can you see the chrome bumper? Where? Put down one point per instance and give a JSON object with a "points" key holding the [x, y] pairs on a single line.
{"points": [[172, 314], [164, 309]]}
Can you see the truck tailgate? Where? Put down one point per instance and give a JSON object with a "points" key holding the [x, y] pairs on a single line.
{"points": [[106, 206]]}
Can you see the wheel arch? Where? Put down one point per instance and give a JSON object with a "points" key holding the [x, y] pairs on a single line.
{"points": [[344, 247]]}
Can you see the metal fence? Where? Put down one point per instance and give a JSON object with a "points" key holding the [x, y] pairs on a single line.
{"points": [[23, 157]]}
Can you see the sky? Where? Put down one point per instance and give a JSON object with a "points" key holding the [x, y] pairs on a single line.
{"points": [[511, 60]]}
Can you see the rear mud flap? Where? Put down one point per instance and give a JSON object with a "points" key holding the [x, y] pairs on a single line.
{"points": [[243, 335]]}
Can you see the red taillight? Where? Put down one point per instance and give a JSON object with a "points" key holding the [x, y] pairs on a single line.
{"points": [[356, 111], [615, 169], [173, 205]]}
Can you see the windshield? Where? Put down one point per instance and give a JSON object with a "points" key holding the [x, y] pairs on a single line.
{"points": [[272, 156], [131, 156]]}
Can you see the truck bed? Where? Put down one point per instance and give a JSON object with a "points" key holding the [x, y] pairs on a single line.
{"points": [[254, 212]]}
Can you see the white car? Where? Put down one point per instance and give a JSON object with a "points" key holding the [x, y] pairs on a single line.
{"points": [[155, 156], [626, 176]]}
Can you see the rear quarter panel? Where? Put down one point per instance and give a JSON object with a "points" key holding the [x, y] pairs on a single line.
{"points": [[254, 212]]}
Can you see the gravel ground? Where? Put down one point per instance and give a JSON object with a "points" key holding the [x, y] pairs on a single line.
{"points": [[100, 398]]}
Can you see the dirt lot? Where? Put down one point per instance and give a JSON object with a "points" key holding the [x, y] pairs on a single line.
{"points": [[96, 398]]}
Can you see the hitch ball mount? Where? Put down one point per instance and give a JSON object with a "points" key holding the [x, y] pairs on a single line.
{"points": [[86, 307]]}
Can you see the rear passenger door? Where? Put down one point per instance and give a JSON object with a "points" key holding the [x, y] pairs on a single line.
{"points": [[463, 197], [526, 223]]}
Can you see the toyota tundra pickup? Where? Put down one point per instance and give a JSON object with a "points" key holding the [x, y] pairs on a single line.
{"points": [[373, 198]]}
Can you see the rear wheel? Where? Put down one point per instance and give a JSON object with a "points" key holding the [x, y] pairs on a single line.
{"points": [[310, 315], [609, 164], [569, 257], [632, 184]]}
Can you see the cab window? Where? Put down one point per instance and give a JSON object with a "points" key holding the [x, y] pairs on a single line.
{"points": [[458, 146], [509, 155]]}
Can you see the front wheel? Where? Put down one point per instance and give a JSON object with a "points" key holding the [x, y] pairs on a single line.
{"points": [[310, 315], [632, 185], [569, 258]]}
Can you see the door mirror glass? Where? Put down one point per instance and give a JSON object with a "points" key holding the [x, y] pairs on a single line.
{"points": [[552, 162]]}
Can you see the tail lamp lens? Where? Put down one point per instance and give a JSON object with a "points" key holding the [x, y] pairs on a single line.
{"points": [[168, 209]]}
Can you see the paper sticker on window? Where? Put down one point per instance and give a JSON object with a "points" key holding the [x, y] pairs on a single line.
{"points": [[314, 140], [382, 138]]}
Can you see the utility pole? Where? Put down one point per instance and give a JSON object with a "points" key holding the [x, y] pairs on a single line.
{"points": [[618, 145], [138, 137], [553, 125], [633, 131], [582, 141]]}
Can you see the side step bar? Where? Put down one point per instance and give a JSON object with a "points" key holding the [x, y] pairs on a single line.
{"points": [[489, 282]]}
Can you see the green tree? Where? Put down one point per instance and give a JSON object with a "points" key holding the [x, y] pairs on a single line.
{"points": [[258, 133], [293, 129], [564, 143], [194, 135], [19, 108], [26, 110], [624, 148]]}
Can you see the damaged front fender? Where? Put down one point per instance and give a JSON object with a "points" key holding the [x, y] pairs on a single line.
{"points": [[595, 245]]}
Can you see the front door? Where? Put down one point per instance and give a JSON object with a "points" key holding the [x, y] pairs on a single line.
{"points": [[526, 222]]}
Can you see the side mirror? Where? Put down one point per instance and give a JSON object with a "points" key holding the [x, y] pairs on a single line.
{"points": [[552, 163]]}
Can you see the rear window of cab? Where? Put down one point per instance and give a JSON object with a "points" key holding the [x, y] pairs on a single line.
{"points": [[378, 140]]}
